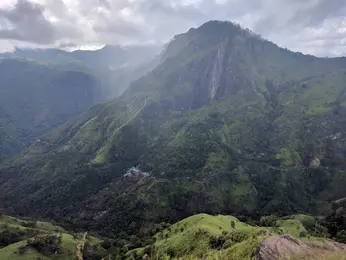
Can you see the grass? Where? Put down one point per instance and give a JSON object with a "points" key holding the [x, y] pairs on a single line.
{"points": [[191, 239], [48, 227], [93, 240], [67, 246], [12, 252], [291, 226], [245, 249], [223, 237]]}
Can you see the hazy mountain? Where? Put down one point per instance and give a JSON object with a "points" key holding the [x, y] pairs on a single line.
{"points": [[35, 98], [43, 88], [227, 123], [117, 66]]}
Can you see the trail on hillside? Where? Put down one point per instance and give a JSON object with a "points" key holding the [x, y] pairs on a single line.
{"points": [[80, 247]]}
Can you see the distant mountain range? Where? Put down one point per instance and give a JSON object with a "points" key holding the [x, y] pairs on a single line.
{"points": [[117, 65], [226, 122]]}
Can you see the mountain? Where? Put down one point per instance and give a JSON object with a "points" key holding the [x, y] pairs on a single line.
{"points": [[227, 123], [43, 88], [117, 66], [36, 98], [117, 56], [107, 57]]}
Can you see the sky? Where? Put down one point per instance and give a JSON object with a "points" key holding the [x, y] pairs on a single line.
{"points": [[316, 27]]}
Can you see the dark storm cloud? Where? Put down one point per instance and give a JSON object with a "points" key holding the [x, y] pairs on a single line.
{"points": [[26, 22]]}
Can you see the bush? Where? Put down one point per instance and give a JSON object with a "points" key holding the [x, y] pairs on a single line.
{"points": [[341, 236], [22, 250], [217, 242], [233, 224], [31, 224], [8, 237], [303, 234], [93, 252], [45, 244], [268, 221], [107, 244]]}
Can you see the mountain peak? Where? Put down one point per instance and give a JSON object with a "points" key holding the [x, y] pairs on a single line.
{"points": [[220, 23], [225, 27]]}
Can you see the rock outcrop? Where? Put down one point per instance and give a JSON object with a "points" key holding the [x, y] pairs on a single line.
{"points": [[315, 163], [287, 247], [135, 173]]}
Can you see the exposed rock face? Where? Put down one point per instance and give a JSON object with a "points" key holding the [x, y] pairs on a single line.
{"points": [[285, 247], [135, 173], [315, 163], [217, 71]]}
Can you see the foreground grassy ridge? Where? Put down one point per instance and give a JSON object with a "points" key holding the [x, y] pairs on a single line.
{"points": [[12, 252], [220, 237], [211, 237], [15, 235]]}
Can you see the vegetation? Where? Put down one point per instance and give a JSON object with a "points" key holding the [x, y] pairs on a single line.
{"points": [[336, 221], [26, 239], [41, 89], [35, 98], [228, 123], [213, 237]]}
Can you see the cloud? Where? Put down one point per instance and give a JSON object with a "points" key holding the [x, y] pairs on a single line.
{"points": [[310, 26], [26, 22]]}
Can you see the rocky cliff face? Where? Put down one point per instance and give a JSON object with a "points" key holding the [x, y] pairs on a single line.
{"points": [[286, 247]]}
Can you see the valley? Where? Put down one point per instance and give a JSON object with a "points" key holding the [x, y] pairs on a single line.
{"points": [[237, 141]]}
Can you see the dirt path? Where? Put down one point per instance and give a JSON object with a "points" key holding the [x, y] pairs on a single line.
{"points": [[80, 247]]}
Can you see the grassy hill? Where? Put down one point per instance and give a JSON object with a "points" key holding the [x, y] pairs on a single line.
{"points": [[199, 236], [225, 237], [23, 239]]}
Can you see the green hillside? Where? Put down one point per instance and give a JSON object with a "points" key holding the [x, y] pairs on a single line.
{"points": [[225, 237], [228, 123], [23, 239], [200, 236]]}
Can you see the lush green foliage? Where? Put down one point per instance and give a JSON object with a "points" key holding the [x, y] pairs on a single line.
{"points": [[214, 237], [26, 239], [336, 221]]}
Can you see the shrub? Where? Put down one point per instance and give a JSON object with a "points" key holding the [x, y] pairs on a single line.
{"points": [[45, 244], [303, 234], [8, 237], [268, 221], [233, 224], [217, 242]]}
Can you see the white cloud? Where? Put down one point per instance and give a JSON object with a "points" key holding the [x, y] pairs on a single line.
{"points": [[310, 26]]}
